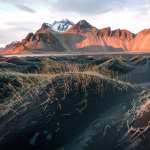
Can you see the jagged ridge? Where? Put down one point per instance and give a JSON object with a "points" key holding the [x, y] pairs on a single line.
{"points": [[80, 36]]}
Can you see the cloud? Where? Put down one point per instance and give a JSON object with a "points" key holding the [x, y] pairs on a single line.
{"points": [[88, 7], [14, 35], [25, 8], [27, 2], [82, 7], [94, 7], [22, 5], [15, 31]]}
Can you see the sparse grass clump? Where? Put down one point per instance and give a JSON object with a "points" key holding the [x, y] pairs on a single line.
{"points": [[139, 126], [143, 109]]}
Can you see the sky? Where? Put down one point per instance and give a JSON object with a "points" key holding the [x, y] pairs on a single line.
{"points": [[19, 17]]}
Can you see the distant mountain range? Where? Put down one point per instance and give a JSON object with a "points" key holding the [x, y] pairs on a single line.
{"points": [[65, 36]]}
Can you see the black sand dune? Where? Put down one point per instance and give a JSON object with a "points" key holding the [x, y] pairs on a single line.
{"points": [[81, 103]]}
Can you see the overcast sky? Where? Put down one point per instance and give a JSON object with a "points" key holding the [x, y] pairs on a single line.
{"points": [[18, 17]]}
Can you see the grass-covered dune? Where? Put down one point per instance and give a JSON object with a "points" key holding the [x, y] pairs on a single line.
{"points": [[71, 103]]}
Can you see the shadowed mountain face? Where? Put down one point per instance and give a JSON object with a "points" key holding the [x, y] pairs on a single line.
{"points": [[80, 36]]}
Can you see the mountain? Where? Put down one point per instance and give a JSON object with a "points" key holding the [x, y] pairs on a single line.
{"points": [[65, 36]]}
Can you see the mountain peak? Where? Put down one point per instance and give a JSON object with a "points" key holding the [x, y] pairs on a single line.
{"points": [[84, 24], [145, 31], [62, 25], [104, 32], [81, 26], [57, 26], [46, 27], [124, 34], [63, 21]]}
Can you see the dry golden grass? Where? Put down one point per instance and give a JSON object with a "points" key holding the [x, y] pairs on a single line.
{"points": [[84, 75]]}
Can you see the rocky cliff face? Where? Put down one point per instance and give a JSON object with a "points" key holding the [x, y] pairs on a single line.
{"points": [[106, 37], [82, 36], [39, 41], [142, 41]]}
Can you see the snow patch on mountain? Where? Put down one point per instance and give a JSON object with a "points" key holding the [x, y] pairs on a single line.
{"points": [[62, 26]]}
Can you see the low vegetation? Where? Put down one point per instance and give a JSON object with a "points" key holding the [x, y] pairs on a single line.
{"points": [[51, 94]]}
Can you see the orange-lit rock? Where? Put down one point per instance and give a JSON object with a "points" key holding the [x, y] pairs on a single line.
{"points": [[81, 36], [142, 41]]}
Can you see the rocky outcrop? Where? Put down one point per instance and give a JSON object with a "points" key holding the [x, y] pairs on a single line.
{"points": [[142, 41]]}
